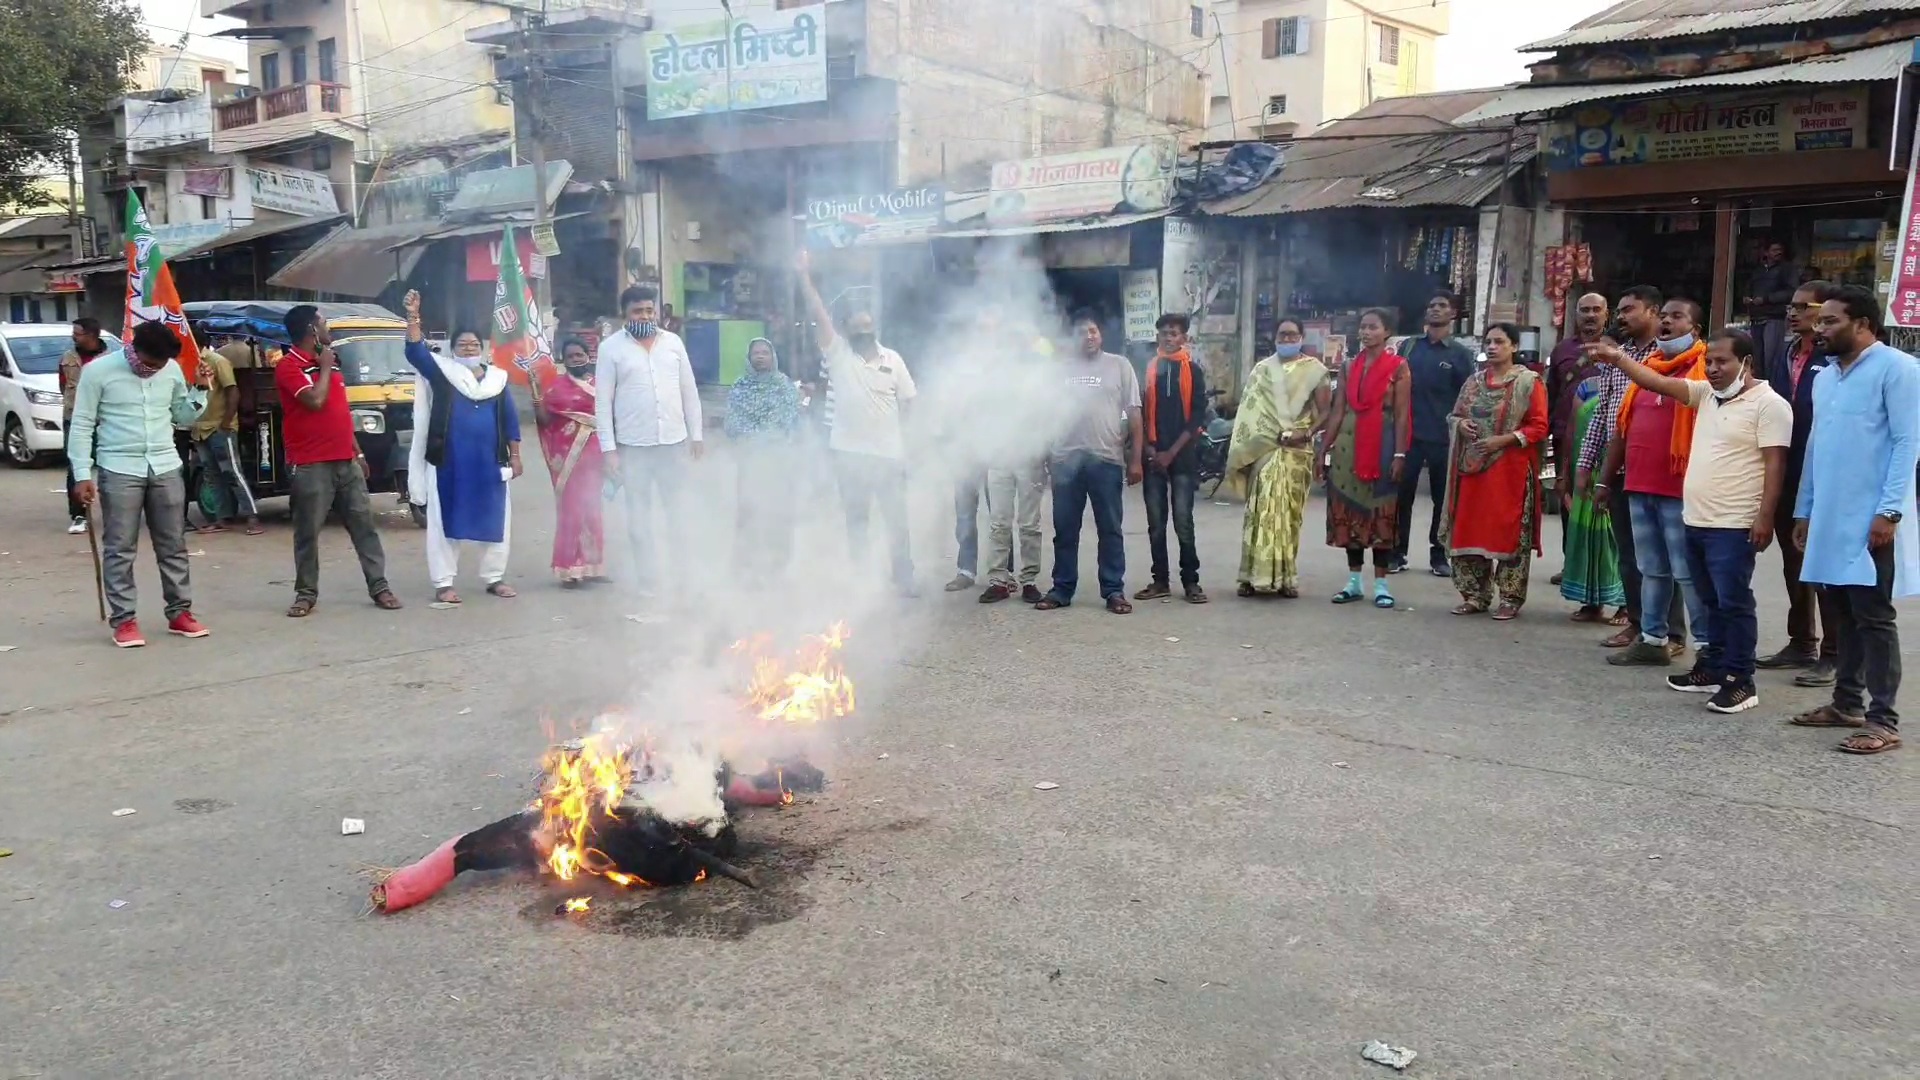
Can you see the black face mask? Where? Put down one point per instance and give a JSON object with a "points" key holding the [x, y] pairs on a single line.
{"points": [[581, 371]]}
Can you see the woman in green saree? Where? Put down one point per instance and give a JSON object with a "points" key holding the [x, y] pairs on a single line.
{"points": [[1591, 577], [1270, 463]]}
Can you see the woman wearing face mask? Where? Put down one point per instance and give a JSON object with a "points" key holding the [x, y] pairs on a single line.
{"points": [[466, 446], [1491, 520], [1367, 433], [565, 417], [1270, 464], [763, 418]]}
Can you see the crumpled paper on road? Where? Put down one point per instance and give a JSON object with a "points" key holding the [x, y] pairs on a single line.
{"points": [[1397, 1057]]}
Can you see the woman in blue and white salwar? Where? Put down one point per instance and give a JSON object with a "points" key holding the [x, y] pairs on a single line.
{"points": [[466, 446]]}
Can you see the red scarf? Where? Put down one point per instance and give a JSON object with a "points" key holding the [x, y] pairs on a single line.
{"points": [[1185, 364], [1367, 386]]}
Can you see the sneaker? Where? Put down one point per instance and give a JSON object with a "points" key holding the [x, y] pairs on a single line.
{"points": [[1735, 696], [1442, 569], [127, 635], [1031, 594], [993, 594], [185, 625], [1697, 681], [1642, 654], [77, 526], [1398, 566], [960, 583]]}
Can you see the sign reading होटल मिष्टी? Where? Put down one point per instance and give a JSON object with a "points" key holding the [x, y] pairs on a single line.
{"points": [[1684, 128], [774, 58], [1087, 184], [852, 220]]}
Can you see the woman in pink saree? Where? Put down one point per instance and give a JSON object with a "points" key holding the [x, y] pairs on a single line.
{"points": [[565, 415]]}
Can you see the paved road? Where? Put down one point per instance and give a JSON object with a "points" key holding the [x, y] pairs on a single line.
{"points": [[1281, 830]]}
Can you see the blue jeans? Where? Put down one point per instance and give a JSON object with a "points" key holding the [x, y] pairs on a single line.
{"points": [[966, 520], [1660, 549], [1722, 565], [1078, 479]]}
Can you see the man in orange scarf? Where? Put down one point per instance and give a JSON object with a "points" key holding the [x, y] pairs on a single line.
{"points": [[1654, 437], [1175, 394]]}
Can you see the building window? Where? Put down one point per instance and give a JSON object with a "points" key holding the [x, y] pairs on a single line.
{"points": [[297, 70], [1197, 20], [1276, 106], [209, 209], [270, 71], [322, 158], [329, 67], [1284, 37], [1389, 44], [16, 309]]}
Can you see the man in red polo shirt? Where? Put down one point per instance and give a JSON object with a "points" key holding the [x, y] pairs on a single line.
{"points": [[328, 471]]}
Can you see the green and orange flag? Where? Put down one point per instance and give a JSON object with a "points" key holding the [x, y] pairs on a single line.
{"points": [[151, 295], [519, 335]]}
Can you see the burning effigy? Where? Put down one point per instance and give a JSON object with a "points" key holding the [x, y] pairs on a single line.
{"points": [[642, 811]]}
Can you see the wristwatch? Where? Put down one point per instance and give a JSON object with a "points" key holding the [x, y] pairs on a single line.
{"points": [[1893, 516]]}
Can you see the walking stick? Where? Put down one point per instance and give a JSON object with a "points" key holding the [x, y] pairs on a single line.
{"points": [[99, 572]]}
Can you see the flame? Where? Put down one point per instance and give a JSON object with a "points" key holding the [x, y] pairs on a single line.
{"points": [[578, 904], [780, 779], [582, 783], [811, 687]]}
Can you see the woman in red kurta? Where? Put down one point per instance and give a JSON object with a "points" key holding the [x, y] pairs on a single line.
{"points": [[1491, 524]]}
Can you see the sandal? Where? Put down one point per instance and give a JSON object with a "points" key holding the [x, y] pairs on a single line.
{"points": [[1383, 601], [1288, 592], [1620, 618], [1827, 716], [254, 528], [1156, 591], [1469, 609], [1050, 603], [302, 607], [1587, 614], [1195, 594], [1118, 605], [444, 596], [1874, 740], [502, 590], [1348, 596], [1507, 613], [386, 601], [1245, 589]]}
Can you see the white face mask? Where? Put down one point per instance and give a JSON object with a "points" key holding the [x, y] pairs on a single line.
{"points": [[1733, 388]]}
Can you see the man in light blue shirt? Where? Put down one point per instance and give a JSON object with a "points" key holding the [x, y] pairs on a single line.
{"points": [[123, 457], [1856, 490]]}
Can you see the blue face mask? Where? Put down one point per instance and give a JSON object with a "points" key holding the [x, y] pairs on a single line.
{"points": [[641, 329], [1675, 346], [1287, 350]]}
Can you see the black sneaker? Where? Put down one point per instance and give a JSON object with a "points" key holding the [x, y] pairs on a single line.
{"points": [[1697, 681], [1735, 696]]}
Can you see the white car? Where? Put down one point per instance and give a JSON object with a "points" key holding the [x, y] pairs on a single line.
{"points": [[31, 427]]}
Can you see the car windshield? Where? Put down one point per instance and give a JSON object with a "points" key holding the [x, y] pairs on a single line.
{"points": [[40, 355], [373, 359]]}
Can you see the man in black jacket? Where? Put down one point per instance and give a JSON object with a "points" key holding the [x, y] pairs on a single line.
{"points": [[1175, 393], [1769, 292]]}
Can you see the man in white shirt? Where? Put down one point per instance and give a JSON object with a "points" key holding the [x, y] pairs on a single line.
{"points": [[647, 413], [871, 387]]}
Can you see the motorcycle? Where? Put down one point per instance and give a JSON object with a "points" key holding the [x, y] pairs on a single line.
{"points": [[1215, 441]]}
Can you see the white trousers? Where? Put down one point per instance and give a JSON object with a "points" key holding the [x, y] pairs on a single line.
{"points": [[443, 555]]}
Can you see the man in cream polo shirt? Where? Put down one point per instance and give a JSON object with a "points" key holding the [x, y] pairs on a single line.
{"points": [[871, 387]]}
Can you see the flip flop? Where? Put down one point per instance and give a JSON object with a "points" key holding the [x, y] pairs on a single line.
{"points": [[1348, 596], [1469, 609], [301, 608], [502, 590], [1873, 740], [1049, 603], [1383, 601], [445, 596], [1827, 716], [1118, 605], [1507, 613]]}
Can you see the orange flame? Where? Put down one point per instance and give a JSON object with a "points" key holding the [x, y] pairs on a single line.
{"points": [[811, 688], [582, 783], [578, 904]]}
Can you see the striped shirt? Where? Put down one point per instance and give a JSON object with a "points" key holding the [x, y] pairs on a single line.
{"points": [[1613, 390]]}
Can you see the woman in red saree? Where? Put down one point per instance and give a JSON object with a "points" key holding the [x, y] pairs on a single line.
{"points": [[567, 441], [1367, 434], [1491, 524]]}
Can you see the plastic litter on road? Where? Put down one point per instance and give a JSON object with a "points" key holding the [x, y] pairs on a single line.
{"points": [[1395, 1057]]}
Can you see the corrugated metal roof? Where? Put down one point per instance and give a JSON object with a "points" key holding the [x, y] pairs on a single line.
{"points": [[1876, 64], [353, 262], [23, 273], [1396, 152], [252, 232], [1649, 20]]}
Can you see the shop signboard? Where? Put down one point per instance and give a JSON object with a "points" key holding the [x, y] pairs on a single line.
{"points": [[1063, 187], [1903, 297], [483, 256], [291, 191], [1140, 301], [1679, 128], [851, 220], [759, 62], [174, 239]]}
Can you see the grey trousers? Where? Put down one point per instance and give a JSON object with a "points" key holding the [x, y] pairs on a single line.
{"points": [[161, 499], [643, 471], [1013, 499], [341, 487]]}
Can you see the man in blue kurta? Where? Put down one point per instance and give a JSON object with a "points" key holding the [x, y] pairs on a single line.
{"points": [[1855, 492], [466, 446]]}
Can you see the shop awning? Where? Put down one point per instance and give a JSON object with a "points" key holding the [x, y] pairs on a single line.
{"points": [[1445, 168], [1876, 64], [353, 262], [256, 231], [1115, 221]]}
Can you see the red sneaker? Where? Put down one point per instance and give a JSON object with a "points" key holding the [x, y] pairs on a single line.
{"points": [[186, 625], [127, 635]]}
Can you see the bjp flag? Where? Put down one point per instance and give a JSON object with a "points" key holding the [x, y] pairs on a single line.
{"points": [[151, 295]]}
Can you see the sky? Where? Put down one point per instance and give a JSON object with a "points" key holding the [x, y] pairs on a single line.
{"points": [[166, 17], [1482, 49]]}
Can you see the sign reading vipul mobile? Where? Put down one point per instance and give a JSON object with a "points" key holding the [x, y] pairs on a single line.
{"points": [[848, 221], [770, 59]]}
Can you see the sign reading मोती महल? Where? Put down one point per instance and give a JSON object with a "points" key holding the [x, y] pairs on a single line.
{"points": [[771, 59], [852, 220], [291, 191], [1688, 128], [1064, 187]]}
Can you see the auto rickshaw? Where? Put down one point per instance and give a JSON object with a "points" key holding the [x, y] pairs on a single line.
{"points": [[370, 343]]}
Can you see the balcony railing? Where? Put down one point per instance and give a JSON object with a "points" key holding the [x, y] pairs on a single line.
{"points": [[329, 99]]}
